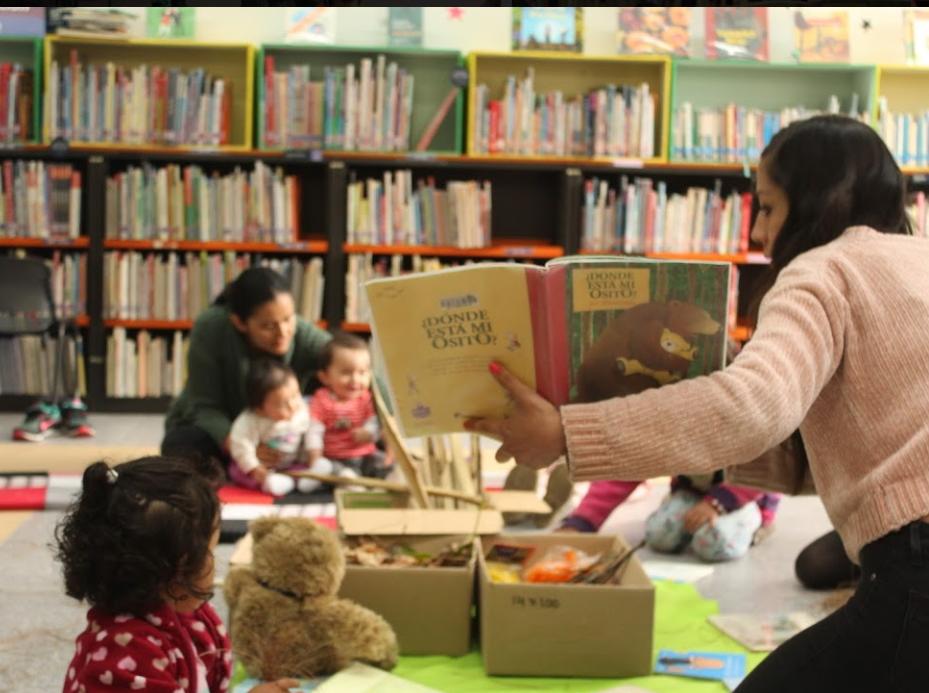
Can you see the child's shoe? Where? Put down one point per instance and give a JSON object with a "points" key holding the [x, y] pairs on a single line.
{"points": [[40, 419], [74, 419], [278, 484]]}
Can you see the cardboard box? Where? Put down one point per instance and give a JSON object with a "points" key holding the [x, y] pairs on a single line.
{"points": [[428, 608], [391, 513], [567, 629]]}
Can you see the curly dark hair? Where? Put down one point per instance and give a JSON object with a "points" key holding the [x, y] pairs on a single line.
{"points": [[138, 531]]}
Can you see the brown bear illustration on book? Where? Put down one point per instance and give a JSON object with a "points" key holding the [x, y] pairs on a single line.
{"points": [[286, 619], [646, 346]]}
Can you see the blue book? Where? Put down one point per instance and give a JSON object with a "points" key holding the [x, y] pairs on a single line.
{"points": [[714, 666]]}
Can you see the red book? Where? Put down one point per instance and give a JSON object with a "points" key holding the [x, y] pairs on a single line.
{"points": [[746, 222], [493, 128], [4, 98], [270, 101]]}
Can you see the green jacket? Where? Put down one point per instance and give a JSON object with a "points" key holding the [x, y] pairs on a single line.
{"points": [[217, 362]]}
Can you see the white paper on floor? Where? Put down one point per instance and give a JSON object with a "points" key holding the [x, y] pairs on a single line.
{"points": [[675, 571]]}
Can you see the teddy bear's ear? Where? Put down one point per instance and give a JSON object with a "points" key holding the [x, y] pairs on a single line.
{"points": [[262, 526]]}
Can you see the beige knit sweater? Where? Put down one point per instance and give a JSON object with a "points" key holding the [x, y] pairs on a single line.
{"points": [[841, 350]]}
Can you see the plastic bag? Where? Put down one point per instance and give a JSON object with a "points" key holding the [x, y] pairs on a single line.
{"points": [[559, 564]]}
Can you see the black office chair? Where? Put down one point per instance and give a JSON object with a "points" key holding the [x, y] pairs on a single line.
{"points": [[27, 307]]}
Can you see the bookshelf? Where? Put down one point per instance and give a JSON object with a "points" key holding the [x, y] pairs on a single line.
{"points": [[431, 70], [317, 246], [573, 75], [230, 62], [767, 86], [27, 51]]}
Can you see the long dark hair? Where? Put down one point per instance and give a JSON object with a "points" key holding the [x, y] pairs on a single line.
{"points": [[251, 289], [837, 172], [137, 530]]}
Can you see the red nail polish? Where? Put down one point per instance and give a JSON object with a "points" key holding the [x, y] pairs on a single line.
{"points": [[494, 367]]}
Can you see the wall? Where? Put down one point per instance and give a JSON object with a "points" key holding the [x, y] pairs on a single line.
{"points": [[488, 29]]}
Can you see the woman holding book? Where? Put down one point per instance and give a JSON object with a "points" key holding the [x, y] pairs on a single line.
{"points": [[253, 317], [839, 352]]}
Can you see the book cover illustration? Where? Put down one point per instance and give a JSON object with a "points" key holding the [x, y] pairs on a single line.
{"points": [[170, 22], [22, 21], [405, 26], [916, 36], [578, 330], [714, 666], [548, 29], [664, 30], [763, 632], [737, 33], [310, 25], [821, 37]]}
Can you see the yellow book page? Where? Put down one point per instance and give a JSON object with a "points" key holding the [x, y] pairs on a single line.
{"points": [[439, 331]]}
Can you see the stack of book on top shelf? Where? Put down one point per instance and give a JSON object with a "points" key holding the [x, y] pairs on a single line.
{"points": [[368, 107], [641, 217], [614, 121], [737, 134], [140, 104], [391, 211], [39, 200], [145, 366], [186, 203]]}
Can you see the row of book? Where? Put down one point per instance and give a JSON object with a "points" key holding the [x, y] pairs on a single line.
{"points": [[737, 134], [906, 134], [641, 217], [16, 84], [28, 365], [616, 121], [178, 286], [141, 104], [362, 267], [39, 200], [141, 365], [368, 107], [391, 211], [187, 203]]}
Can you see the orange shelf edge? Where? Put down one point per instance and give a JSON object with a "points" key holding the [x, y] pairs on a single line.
{"points": [[355, 327], [514, 250], [307, 246], [64, 243]]}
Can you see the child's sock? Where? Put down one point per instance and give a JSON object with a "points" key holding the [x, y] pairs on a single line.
{"points": [[278, 484], [305, 485]]}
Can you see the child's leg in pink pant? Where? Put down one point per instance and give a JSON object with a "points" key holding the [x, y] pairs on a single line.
{"points": [[601, 499]]}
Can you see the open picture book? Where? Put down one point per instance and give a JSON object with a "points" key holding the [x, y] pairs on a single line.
{"points": [[579, 329]]}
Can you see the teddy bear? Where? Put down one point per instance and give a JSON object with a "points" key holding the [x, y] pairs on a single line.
{"points": [[285, 617]]}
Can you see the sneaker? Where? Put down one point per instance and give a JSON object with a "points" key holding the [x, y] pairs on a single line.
{"points": [[74, 419], [40, 419]]}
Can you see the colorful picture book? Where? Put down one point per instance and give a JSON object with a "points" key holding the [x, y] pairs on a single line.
{"points": [[548, 29], [22, 21], [314, 24], [580, 329], [405, 26], [821, 36], [663, 30], [737, 32], [170, 22], [763, 632]]}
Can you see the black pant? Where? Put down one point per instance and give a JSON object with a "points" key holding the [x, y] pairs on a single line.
{"points": [[192, 443], [371, 465], [877, 642]]}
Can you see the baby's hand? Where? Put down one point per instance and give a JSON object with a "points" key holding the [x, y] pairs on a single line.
{"points": [[275, 686], [702, 513], [362, 435], [268, 456], [259, 474]]}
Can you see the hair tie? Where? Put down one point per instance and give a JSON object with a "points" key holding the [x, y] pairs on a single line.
{"points": [[111, 476]]}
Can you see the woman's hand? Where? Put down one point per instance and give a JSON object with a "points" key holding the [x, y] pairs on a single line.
{"points": [[279, 686], [532, 433], [702, 513], [268, 456]]}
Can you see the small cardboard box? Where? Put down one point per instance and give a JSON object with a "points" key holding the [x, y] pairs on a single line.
{"points": [[428, 608], [567, 629], [391, 513]]}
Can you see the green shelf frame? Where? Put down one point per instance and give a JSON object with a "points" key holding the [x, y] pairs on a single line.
{"points": [[431, 69], [28, 50]]}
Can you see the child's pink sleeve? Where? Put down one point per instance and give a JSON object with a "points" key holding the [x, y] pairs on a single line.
{"points": [[601, 499]]}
